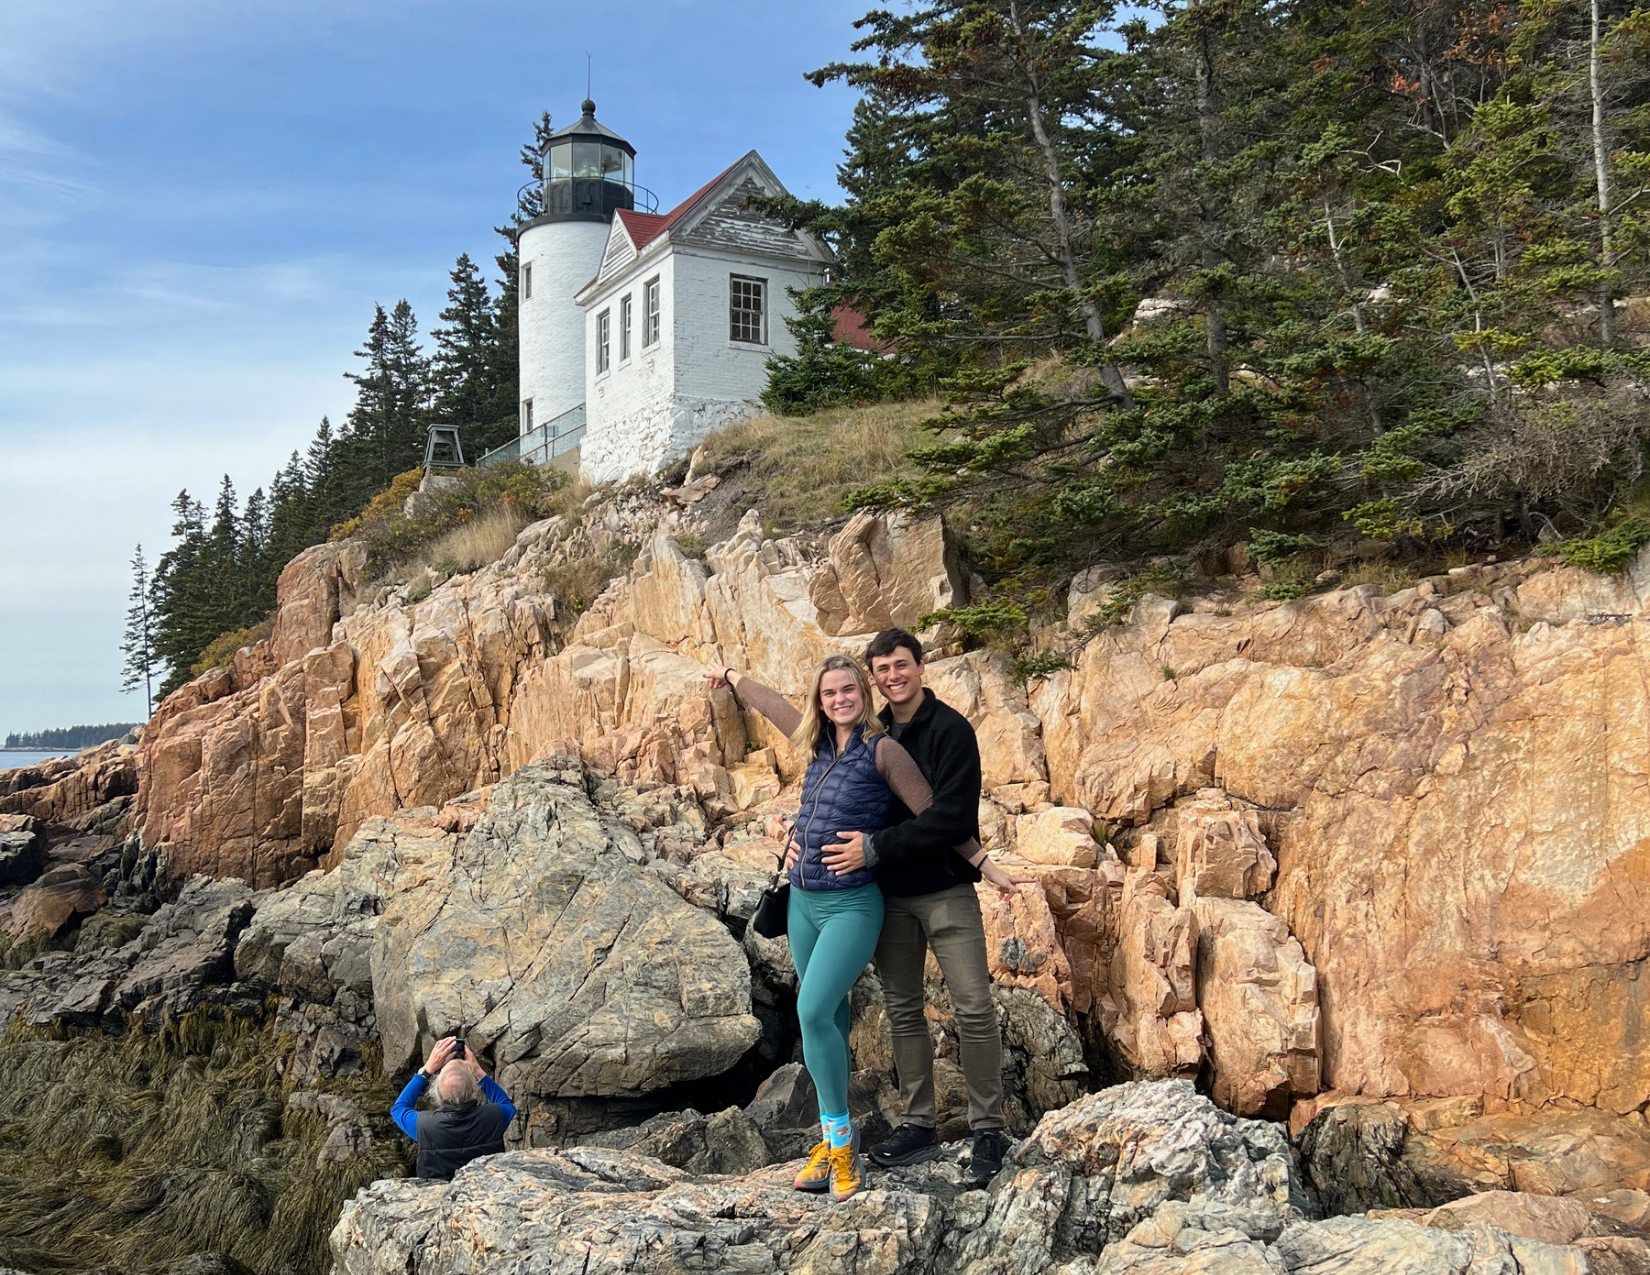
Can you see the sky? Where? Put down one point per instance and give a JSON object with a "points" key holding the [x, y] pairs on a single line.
{"points": [[200, 203]]}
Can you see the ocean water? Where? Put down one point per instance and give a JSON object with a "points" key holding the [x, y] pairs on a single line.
{"points": [[12, 758]]}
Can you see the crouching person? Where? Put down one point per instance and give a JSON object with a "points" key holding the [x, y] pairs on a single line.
{"points": [[469, 1118]]}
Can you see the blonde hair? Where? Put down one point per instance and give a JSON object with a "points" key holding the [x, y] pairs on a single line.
{"points": [[815, 725]]}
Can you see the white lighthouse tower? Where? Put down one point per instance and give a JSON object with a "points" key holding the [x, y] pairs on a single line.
{"points": [[588, 176]]}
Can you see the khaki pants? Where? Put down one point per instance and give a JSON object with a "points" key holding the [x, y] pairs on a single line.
{"points": [[949, 922]]}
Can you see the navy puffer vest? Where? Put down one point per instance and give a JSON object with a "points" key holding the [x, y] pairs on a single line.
{"points": [[842, 792]]}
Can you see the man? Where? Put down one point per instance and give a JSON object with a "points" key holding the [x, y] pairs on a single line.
{"points": [[929, 900], [470, 1116]]}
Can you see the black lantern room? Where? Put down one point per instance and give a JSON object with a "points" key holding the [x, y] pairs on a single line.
{"points": [[590, 172]]}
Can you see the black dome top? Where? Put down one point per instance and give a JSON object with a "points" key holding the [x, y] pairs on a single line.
{"points": [[587, 127]]}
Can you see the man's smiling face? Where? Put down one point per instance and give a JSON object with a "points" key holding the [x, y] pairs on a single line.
{"points": [[898, 676]]}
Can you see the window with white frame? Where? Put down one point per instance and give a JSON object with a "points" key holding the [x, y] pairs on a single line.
{"points": [[526, 416], [747, 309], [527, 281], [604, 341], [650, 312], [624, 327]]}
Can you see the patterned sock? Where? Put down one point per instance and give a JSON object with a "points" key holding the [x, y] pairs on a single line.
{"points": [[839, 1130]]}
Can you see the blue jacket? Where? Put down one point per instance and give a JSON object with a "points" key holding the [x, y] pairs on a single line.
{"points": [[841, 792], [450, 1137]]}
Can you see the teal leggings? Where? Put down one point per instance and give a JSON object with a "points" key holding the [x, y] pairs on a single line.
{"points": [[832, 933]]}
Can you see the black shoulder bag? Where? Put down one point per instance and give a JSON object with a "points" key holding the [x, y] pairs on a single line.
{"points": [[772, 908]]}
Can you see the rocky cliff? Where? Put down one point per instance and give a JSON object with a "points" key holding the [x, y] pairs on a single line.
{"points": [[1373, 864]]}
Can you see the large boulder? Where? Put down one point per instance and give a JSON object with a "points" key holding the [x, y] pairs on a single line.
{"points": [[1090, 1172], [20, 850], [544, 938], [1362, 1154], [1259, 999], [592, 1209], [886, 571], [1149, 1008]]}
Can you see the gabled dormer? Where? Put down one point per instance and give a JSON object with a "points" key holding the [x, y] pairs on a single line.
{"points": [[717, 216]]}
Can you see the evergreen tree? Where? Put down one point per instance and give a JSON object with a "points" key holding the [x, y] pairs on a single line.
{"points": [[137, 648], [184, 614], [292, 523], [464, 368], [386, 428], [1354, 238], [224, 557], [253, 565]]}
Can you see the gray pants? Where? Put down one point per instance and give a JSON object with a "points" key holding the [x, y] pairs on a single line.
{"points": [[949, 922]]}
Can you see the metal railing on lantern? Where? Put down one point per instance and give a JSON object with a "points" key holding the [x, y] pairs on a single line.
{"points": [[592, 193], [543, 443]]}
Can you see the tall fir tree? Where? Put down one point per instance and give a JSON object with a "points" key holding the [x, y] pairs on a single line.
{"points": [[139, 662], [464, 368], [184, 612]]}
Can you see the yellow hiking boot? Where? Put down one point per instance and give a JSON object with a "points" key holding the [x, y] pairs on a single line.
{"points": [[816, 1174], [847, 1171]]}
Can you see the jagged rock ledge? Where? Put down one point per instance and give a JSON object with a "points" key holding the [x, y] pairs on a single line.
{"points": [[1147, 1177]]}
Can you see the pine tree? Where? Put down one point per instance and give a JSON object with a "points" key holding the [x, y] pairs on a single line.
{"points": [[253, 565], [292, 524], [465, 365], [386, 428], [223, 559], [184, 615], [137, 648]]}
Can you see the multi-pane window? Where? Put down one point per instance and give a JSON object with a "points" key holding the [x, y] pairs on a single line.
{"points": [[747, 309], [604, 341], [527, 281], [650, 313], [624, 327], [526, 416]]}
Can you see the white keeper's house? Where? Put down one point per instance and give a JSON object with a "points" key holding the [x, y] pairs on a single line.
{"points": [[642, 331]]}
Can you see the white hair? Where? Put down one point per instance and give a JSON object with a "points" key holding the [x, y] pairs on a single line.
{"points": [[455, 1085]]}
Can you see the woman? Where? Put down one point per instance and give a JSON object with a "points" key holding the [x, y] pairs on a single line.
{"points": [[854, 774]]}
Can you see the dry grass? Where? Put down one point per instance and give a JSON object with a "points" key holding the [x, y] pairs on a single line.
{"points": [[805, 465], [574, 583], [475, 542], [1384, 574]]}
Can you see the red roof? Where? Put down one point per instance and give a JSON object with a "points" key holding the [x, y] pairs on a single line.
{"points": [[643, 228]]}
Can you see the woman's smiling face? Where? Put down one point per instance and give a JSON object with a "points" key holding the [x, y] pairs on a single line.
{"points": [[839, 697]]}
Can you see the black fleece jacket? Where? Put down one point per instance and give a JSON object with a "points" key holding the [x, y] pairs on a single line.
{"points": [[916, 854]]}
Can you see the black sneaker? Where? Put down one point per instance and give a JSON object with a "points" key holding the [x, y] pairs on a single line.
{"points": [[909, 1144], [990, 1146]]}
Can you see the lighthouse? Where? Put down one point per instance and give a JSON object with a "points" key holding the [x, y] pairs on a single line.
{"points": [[588, 176]]}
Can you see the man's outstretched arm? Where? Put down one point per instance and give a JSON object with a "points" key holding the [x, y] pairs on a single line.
{"points": [[494, 1093], [405, 1111]]}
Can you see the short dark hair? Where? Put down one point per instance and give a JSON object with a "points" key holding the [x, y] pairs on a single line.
{"points": [[889, 641]]}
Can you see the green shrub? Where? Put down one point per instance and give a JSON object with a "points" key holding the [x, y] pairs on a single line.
{"points": [[1610, 550], [221, 649], [989, 618], [1031, 666]]}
